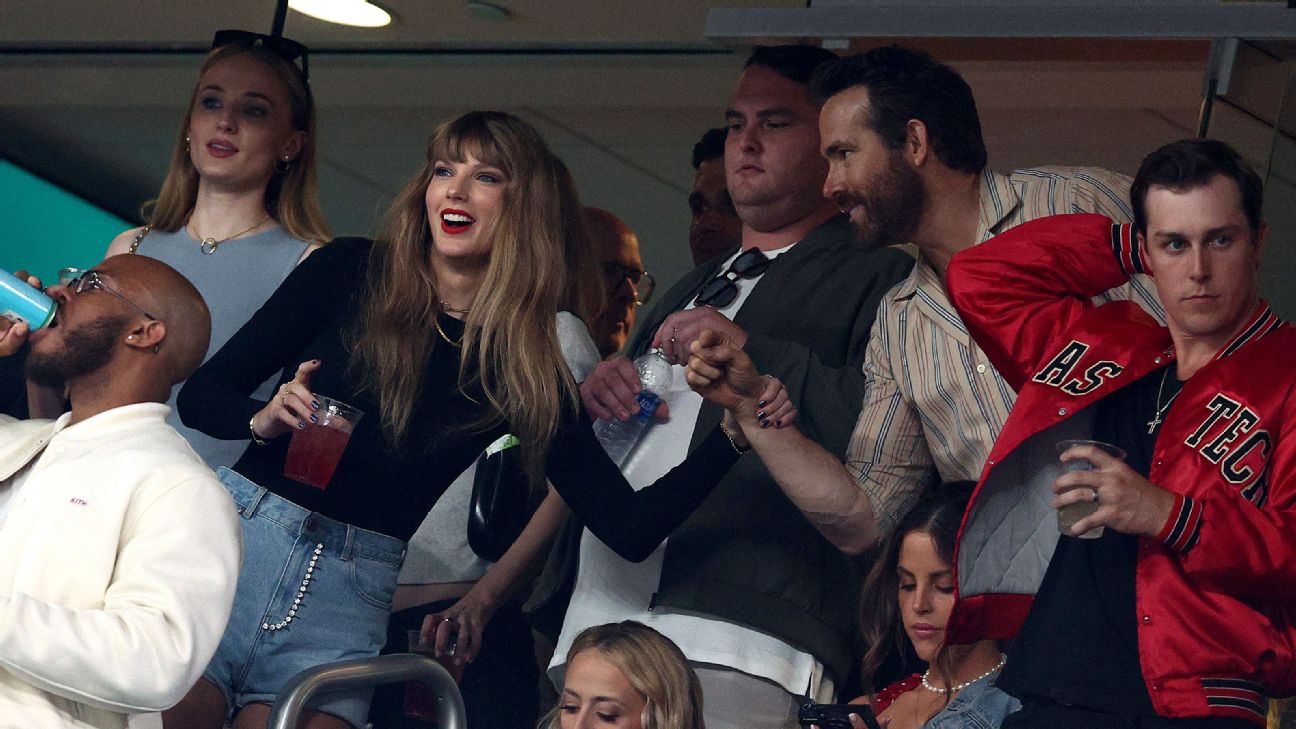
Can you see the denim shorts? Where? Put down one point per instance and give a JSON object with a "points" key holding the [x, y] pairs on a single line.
{"points": [[312, 590]]}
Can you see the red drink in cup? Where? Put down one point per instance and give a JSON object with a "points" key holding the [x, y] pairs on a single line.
{"points": [[316, 449], [420, 699]]}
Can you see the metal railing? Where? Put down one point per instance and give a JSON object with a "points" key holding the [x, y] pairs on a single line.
{"points": [[366, 672]]}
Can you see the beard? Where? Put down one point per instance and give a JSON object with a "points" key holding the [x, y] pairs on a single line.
{"points": [[86, 349], [892, 211]]}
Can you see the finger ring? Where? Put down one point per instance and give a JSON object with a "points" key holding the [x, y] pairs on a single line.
{"points": [[1095, 495]]}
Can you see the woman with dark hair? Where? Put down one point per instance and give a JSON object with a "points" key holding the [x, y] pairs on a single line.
{"points": [[238, 209], [908, 596], [443, 331]]}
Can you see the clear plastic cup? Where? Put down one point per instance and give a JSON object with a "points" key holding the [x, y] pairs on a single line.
{"points": [[1068, 515], [316, 449], [420, 699]]}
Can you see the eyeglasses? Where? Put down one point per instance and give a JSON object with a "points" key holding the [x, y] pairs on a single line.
{"points": [[91, 281], [643, 282], [721, 290], [286, 48]]}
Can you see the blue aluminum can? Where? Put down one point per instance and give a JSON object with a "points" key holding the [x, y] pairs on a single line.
{"points": [[19, 300]]}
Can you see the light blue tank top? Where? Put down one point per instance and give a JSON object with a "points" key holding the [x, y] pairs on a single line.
{"points": [[235, 281]]}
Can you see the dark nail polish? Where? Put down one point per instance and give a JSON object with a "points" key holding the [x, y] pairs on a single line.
{"points": [[301, 425], [760, 415], [762, 403], [314, 419], [315, 405], [765, 423], [778, 423]]}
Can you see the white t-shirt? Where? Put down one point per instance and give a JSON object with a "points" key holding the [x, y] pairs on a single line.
{"points": [[611, 589]]}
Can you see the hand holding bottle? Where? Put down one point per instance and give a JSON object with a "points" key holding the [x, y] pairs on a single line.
{"points": [[619, 437]]}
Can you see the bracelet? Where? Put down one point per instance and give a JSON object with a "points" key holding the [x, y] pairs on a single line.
{"points": [[737, 448], [252, 429]]}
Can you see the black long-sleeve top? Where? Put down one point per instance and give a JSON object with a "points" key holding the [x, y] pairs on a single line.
{"points": [[390, 491]]}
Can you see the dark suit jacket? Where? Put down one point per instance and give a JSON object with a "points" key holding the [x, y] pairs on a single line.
{"points": [[747, 554]]}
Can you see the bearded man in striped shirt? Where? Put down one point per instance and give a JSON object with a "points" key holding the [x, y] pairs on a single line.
{"points": [[907, 163]]}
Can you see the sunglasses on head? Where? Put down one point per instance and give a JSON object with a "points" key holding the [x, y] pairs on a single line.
{"points": [[721, 290], [286, 48]]}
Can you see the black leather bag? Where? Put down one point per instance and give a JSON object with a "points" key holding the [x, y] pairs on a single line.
{"points": [[501, 503]]}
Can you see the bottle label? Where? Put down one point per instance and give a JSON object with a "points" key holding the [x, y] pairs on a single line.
{"points": [[647, 405]]}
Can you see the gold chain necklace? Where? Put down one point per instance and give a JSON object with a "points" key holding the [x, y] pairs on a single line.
{"points": [[209, 245], [452, 309], [445, 336]]}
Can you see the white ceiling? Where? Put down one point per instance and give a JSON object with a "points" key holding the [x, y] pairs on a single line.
{"points": [[91, 92]]}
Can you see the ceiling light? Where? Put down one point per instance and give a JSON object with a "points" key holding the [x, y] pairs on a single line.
{"points": [[357, 13]]}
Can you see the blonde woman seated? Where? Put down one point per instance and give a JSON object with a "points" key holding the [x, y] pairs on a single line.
{"points": [[909, 595], [629, 676]]}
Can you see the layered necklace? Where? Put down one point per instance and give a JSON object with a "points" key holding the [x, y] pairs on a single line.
{"points": [[436, 321], [209, 245], [959, 687]]}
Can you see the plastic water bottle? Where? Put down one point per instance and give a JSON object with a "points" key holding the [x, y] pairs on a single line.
{"points": [[619, 438], [19, 300]]}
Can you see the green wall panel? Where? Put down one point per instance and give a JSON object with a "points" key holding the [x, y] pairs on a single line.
{"points": [[44, 228]]}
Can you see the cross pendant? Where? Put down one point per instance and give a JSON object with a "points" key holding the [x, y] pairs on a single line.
{"points": [[1153, 423]]}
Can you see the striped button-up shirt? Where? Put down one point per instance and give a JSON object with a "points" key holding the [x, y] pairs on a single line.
{"points": [[932, 399]]}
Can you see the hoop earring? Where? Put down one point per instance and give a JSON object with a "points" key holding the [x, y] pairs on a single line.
{"points": [[282, 166]]}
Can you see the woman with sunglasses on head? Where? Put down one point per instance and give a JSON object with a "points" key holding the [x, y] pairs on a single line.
{"points": [[444, 332], [238, 208]]}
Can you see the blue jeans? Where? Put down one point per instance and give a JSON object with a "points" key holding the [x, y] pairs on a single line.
{"points": [[312, 590]]}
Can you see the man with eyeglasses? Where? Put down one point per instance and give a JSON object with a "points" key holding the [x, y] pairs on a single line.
{"points": [[626, 283], [757, 600], [119, 550]]}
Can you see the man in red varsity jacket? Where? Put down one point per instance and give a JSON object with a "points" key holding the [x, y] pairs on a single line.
{"points": [[1180, 614]]}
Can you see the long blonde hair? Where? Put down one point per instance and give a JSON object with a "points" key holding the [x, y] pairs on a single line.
{"points": [[653, 665], [290, 197], [510, 344]]}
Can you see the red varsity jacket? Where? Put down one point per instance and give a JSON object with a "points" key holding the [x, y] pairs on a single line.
{"points": [[1216, 590]]}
